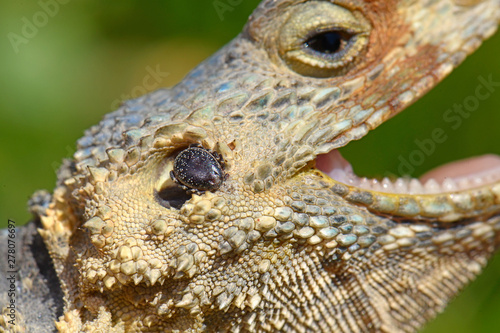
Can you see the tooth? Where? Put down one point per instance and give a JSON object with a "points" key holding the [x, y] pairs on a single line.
{"points": [[376, 186], [365, 183], [463, 183], [416, 186], [401, 186], [449, 185], [387, 184], [352, 180], [432, 186], [477, 181]]}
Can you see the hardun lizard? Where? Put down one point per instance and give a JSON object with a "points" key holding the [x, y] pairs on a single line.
{"points": [[288, 238]]}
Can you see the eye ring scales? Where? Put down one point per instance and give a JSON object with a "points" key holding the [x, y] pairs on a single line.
{"points": [[197, 170]]}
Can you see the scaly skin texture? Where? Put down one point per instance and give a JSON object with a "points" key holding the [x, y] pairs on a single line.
{"points": [[279, 246]]}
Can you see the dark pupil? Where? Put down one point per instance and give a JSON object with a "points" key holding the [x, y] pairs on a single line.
{"points": [[326, 42]]}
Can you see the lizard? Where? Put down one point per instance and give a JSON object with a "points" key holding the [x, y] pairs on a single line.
{"points": [[287, 238]]}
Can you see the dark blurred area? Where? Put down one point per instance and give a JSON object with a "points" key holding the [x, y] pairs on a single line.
{"points": [[63, 65]]}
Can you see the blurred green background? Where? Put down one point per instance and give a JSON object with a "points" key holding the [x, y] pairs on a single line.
{"points": [[87, 56]]}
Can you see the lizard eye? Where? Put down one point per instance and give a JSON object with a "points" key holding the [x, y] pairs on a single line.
{"points": [[328, 43], [198, 169], [321, 39]]}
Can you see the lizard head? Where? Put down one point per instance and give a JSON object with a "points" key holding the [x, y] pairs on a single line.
{"points": [[284, 236]]}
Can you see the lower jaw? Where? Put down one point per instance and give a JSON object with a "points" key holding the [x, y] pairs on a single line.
{"points": [[456, 191]]}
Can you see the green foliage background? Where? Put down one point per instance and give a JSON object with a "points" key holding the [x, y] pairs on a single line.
{"points": [[91, 53]]}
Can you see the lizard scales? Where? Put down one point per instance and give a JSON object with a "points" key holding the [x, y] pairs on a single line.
{"points": [[286, 243]]}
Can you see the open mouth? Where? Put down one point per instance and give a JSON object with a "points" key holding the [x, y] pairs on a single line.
{"points": [[460, 175], [462, 189]]}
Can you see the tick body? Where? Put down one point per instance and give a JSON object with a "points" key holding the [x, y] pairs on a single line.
{"points": [[197, 169]]}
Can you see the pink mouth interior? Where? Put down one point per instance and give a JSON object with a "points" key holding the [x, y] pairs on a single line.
{"points": [[465, 168], [454, 176]]}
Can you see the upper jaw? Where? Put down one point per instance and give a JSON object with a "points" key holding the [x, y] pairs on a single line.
{"points": [[459, 190]]}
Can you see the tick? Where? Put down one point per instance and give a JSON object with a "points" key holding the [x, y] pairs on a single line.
{"points": [[197, 170]]}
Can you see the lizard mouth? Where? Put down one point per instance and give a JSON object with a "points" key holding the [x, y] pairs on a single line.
{"points": [[460, 175], [456, 190]]}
